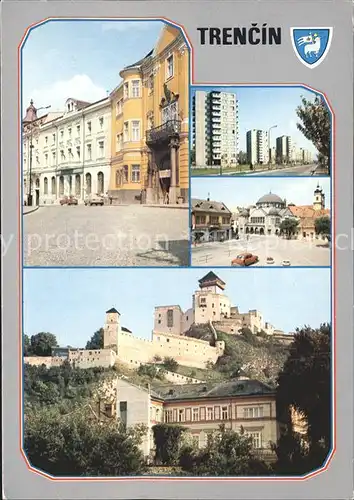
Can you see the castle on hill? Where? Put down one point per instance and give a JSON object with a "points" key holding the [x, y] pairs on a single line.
{"points": [[210, 306]]}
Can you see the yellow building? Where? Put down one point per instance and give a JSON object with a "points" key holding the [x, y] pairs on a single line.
{"points": [[150, 152]]}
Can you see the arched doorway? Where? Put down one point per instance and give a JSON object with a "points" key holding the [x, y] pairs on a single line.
{"points": [[88, 183], [54, 186], [256, 230], [45, 185], [100, 183], [247, 230], [77, 185], [165, 175], [251, 230], [261, 231], [61, 185], [37, 184]]}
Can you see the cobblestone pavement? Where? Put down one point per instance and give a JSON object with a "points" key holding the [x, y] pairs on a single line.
{"points": [[131, 235], [300, 253]]}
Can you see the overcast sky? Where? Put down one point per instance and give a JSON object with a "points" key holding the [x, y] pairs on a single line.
{"points": [[244, 191], [71, 303]]}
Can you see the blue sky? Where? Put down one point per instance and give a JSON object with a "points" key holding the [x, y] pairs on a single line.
{"points": [[71, 303], [81, 59], [245, 191], [261, 108]]}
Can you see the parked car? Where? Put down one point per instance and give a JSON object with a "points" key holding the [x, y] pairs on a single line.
{"points": [[244, 259], [69, 200], [94, 199], [270, 260], [286, 263]]}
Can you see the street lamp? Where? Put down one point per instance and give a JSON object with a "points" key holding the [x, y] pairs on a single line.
{"points": [[31, 117], [270, 144]]}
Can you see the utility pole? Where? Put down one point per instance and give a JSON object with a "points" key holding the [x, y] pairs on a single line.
{"points": [[270, 144]]}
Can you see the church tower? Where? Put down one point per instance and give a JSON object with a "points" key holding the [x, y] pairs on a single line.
{"points": [[112, 330], [319, 199]]}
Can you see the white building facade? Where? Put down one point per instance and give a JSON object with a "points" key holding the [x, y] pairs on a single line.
{"points": [[215, 128], [265, 217], [71, 153], [257, 147]]}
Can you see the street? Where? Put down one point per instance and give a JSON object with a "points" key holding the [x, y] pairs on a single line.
{"points": [[299, 252], [125, 235], [297, 170], [305, 170]]}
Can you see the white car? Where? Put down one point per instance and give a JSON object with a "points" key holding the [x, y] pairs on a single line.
{"points": [[95, 199], [270, 260], [286, 263]]}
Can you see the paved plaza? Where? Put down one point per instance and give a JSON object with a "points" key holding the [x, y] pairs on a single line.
{"points": [[299, 252], [130, 235]]}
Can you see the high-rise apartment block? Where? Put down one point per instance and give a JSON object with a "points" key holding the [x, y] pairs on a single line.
{"points": [[284, 149], [257, 146], [215, 128]]}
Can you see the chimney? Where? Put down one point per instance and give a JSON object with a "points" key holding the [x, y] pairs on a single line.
{"points": [[208, 199]]}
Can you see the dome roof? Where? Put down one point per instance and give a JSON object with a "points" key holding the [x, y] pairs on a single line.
{"points": [[273, 211], [270, 198]]}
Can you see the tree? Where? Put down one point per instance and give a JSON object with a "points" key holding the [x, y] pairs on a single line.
{"points": [[316, 127], [150, 371], [42, 344], [242, 158], [170, 364], [227, 453], [323, 226], [26, 345], [96, 341], [192, 156], [59, 444], [168, 443], [305, 384], [289, 227]]}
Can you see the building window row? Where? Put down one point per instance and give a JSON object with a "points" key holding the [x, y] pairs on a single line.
{"points": [[122, 175], [257, 220], [209, 413], [131, 89], [132, 131]]}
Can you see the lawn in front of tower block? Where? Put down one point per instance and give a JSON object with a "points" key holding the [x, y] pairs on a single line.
{"points": [[125, 235], [298, 252]]}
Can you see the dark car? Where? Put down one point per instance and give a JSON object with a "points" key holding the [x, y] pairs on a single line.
{"points": [[69, 200]]}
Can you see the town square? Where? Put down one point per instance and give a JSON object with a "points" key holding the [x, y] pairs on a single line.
{"points": [[125, 148]]}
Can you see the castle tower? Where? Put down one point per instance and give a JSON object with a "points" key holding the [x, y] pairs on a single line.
{"points": [[112, 330], [319, 199], [209, 302], [211, 283]]}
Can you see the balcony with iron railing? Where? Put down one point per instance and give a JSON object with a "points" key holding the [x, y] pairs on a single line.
{"points": [[163, 132]]}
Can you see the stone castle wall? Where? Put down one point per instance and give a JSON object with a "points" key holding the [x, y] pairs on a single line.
{"points": [[186, 351]]}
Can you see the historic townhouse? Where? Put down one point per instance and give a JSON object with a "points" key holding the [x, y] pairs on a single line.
{"points": [[70, 152], [211, 220], [150, 126], [201, 408]]}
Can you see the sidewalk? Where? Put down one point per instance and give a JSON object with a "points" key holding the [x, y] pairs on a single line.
{"points": [[28, 210], [176, 205]]}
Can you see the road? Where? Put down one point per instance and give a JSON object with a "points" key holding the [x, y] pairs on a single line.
{"points": [[300, 253], [130, 235], [294, 170]]}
